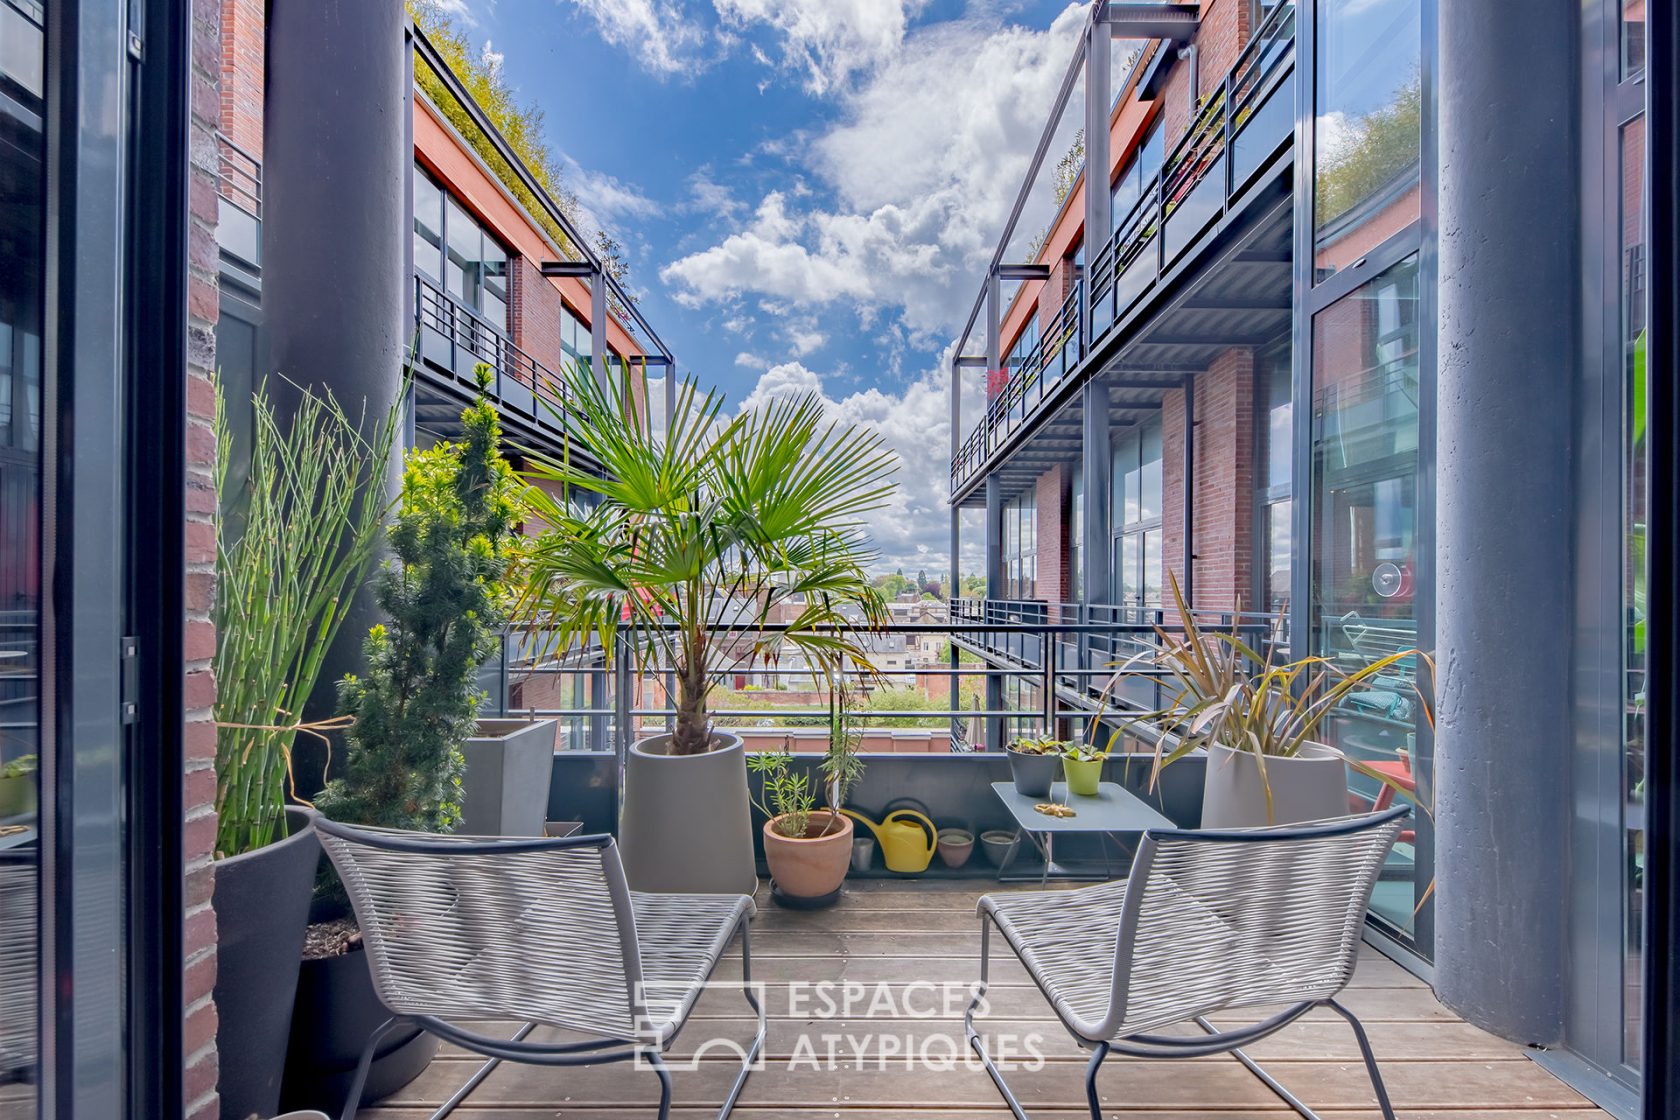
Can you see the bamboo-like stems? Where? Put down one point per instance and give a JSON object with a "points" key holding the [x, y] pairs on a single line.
{"points": [[293, 542]]}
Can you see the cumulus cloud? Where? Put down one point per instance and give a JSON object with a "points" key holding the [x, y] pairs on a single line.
{"points": [[751, 361], [825, 42], [914, 529], [920, 172], [663, 40]]}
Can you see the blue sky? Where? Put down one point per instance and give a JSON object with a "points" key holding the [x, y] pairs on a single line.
{"points": [[807, 190]]}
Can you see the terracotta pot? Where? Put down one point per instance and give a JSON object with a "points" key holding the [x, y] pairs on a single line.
{"points": [[814, 865], [955, 846]]}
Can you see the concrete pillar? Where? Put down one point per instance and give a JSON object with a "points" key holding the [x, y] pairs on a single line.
{"points": [[1098, 465], [598, 330], [1098, 99], [337, 156], [994, 590], [1508, 345]]}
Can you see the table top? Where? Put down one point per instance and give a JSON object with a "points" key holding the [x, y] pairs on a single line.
{"points": [[1113, 809]]}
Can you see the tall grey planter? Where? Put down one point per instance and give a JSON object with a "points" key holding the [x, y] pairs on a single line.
{"points": [[1310, 786], [505, 789], [687, 824]]}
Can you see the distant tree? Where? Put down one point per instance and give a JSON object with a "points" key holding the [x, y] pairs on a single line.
{"points": [[1377, 149], [1069, 166]]}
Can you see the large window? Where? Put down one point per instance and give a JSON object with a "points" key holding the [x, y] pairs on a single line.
{"points": [[1138, 175], [1020, 547], [1275, 496], [1365, 548], [1368, 129], [452, 249], [1076, 536], [575, 339], [1136, 494]]}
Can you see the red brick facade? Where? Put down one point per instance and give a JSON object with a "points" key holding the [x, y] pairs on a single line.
{"points": [[1224, 30], [534, 314], [199, 795], [1222, 542], [1051, 498], [243, 27]]}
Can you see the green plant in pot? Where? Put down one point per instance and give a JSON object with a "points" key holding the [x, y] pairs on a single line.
{"points": [[675, 552], [1034, 762], [445, 594], [1082, 766], [297, 532], [17, 786], [809, 849], [1259, 721]]}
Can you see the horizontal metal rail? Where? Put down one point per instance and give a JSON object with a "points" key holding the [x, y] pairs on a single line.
{"points": [[239, 176], [465, 331]]}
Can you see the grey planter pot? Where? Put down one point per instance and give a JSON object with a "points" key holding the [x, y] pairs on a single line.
{"points": [[1309, 787], [1034, 773], [505, 789], [687, 824]]}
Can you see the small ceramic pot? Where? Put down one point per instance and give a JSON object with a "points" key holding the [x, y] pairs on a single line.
{"points": [[955, 846], [863, 853], [814, 864], [1083, 775], [998, 843]]}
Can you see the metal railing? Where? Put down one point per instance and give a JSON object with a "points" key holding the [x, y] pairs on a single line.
{"points": [[470, 340], [997, 668], [1058, 352], [1196, 184], [239, 176]]}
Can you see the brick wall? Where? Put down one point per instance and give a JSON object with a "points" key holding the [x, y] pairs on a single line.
{"points": [[1051, 502], [1223, 539], [535, 314], [199, 795], [242, 33], [1224, 30]]}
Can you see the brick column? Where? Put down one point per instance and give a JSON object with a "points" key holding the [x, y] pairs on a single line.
{"points": [[534, 313], [1051, 499], [199, 795], [1223, 533]]}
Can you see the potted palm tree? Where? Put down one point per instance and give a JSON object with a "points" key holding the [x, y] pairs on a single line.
{"points": [[1259, 721], [691, 543]]}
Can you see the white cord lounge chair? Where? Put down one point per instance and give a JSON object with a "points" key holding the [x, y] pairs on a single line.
{"points": [[1206, 922], [540, 931]]}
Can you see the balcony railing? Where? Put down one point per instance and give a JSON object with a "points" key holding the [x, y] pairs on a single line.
{"points": [[1058, 352], [456, 338], [1234, 134], [239, 176]]}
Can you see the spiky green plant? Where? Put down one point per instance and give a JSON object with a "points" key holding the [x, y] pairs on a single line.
{"points": [[453, 541], [699, 536], [295, 538]]}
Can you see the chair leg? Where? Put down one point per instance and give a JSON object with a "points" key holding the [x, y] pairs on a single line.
{"points": [[1267, 1079], [359, 1082], [975, 1042], [477, 1079], [1091, 1069], [758, 1013], [658, 1063], [1369, 1056]]}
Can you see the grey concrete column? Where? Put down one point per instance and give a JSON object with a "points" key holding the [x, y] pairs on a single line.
{"points": [[994, 590], [1097, 463], [336, 164], [598, 329], [1508, 345], [1098, 100]]}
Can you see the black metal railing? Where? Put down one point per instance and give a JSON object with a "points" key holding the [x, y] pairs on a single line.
{"points": [[239, 176], [1234, 131], [466, 340], [1059, 350]]}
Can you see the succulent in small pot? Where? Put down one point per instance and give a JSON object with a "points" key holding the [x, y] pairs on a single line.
{"points": [[17, 787], [1082, 767], [1034, 763]]}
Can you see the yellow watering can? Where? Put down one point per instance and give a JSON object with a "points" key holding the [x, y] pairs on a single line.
{"points": [[906, 847]]}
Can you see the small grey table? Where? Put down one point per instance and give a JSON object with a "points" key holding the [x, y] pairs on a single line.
{"points": [[1114, 810]]}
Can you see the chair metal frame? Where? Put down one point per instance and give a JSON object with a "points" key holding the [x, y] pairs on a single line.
{"points": [[516, 1049], [1159, 1046]]}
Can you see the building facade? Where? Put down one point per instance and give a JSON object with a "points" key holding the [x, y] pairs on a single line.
{"points": [[1255, 362]]}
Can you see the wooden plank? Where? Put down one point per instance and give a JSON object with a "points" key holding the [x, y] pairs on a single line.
{"points": [[883, 1083], [933, 1112]]}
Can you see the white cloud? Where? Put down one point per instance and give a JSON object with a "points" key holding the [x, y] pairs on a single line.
{"points": [[661, 38], [751, 361], [607, 201], [826, 42], [920, 171], [804, 340], [709, 196], [914, 529]]}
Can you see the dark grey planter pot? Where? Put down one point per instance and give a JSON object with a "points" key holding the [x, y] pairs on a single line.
{"points": [[262, 910], [1033, 773], [336, 1012], [687, 824], [505, 789]]}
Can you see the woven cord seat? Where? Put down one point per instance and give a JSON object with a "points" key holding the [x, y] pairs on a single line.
{"points": [[1206, 922], [545, 932]]}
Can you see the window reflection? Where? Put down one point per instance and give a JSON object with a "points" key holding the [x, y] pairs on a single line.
{"points": [[1138, 579], [451, 247], [1368, 131], [1365, 539]]}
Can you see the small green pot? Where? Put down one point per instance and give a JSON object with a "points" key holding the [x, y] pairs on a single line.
{"points": [[1082, 777], [17, 795]]}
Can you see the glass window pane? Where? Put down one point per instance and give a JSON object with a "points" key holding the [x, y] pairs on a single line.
{"points": [[1279, 531], [1149, 475], [1151, 568], [1280, 426], [495, 267], [1633, 38], [1369, 126], [428, 226], [462, 279], [1365, 536]]}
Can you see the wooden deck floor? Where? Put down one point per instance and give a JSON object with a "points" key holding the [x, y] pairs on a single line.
{"points": [[897, 933]]}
